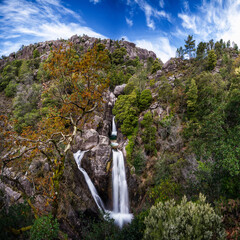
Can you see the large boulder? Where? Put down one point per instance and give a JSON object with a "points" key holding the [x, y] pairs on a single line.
{"points": [[95, 163], [86, 140], [119, 89]]}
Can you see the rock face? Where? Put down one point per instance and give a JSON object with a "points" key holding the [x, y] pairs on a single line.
{"points": [[85, 42], [75, 199], [96, 158], [119, 89]]}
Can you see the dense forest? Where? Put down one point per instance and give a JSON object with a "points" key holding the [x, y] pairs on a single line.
{"points": [[178, 127]]}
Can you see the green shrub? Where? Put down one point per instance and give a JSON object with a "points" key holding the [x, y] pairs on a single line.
{"points": [[139, 161], [126, 112], [118, 56], [11, 89], [156, 66], [8, 74], [26, 110], [145, 99], [165, 191], [36, 53], [16, 216], [45, 227], [148, 134], [165, 91], [187, 220]]}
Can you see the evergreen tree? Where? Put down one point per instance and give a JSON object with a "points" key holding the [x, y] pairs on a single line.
{"points": [[180, 53], [228, 44], [212, 60], [201, 50], [190, 46]]}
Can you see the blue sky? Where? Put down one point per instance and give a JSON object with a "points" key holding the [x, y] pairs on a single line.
{"points": [[157, 25]]}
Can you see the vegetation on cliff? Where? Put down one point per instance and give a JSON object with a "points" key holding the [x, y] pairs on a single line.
{"points": [[180, 123]]}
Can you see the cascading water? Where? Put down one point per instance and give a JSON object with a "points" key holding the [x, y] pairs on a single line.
{"points": [[78, 156], [114, 128], [120, 211]]}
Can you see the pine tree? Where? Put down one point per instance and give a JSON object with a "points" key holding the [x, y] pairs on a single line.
{"points": [[201, 50], [212, 60], [190, 46], [180, 53]]}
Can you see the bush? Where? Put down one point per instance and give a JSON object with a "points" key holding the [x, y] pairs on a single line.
{"points": [[156, 66], [36, 53], [230, 210], [139, 161], [148, 134], [145, 99], [165, 191], [118, 56], [45, 227], [17, 216], [11, 89], [26, 110], [188, 221], [126, 112]]}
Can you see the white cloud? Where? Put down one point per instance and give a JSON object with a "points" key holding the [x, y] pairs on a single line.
{"points": [[161, 46], [151, 13], [186, 5], [125, 38], [129, 22], [25, 22], [189, 22], [95, 1], [215, 19], [161, 3]]}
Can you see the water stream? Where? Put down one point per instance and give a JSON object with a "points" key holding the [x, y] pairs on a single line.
{"points": [[78, 156], [120, 212]]}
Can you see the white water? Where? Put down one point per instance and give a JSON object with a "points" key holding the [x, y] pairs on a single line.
{"points": [[114, 128], [78, 158], [120, 211]]}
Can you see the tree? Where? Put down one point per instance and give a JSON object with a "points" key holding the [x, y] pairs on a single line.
{"points": [[201, 50], [211, 60], [156, 66], [190, 46], [187, 220], [180, 52], [76, 86]]}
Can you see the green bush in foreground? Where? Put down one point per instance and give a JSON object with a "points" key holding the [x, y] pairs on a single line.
{"points": [[44, 228], [187, 220]]}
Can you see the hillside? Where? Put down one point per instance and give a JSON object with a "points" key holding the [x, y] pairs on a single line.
{"points": [[177, 127]]}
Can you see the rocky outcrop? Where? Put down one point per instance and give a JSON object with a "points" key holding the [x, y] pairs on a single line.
{"points": [[119, 89], [75, 199], [84, 42]]}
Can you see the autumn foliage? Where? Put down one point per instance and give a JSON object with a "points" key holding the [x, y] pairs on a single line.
{"points": [[76, 88]]}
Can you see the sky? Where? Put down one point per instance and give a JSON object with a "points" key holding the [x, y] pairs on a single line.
{"points": [[157, 25]]}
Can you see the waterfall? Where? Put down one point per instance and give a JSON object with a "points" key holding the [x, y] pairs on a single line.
{"points": [[78, 156], [114, 128], [120, 211]]}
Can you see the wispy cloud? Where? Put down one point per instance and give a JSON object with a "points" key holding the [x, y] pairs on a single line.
{"points": [[151, 13], [25, 22], [160, 45], [129, 22], [189, 22], [161, 3], [214, 19], [95, 1]]}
